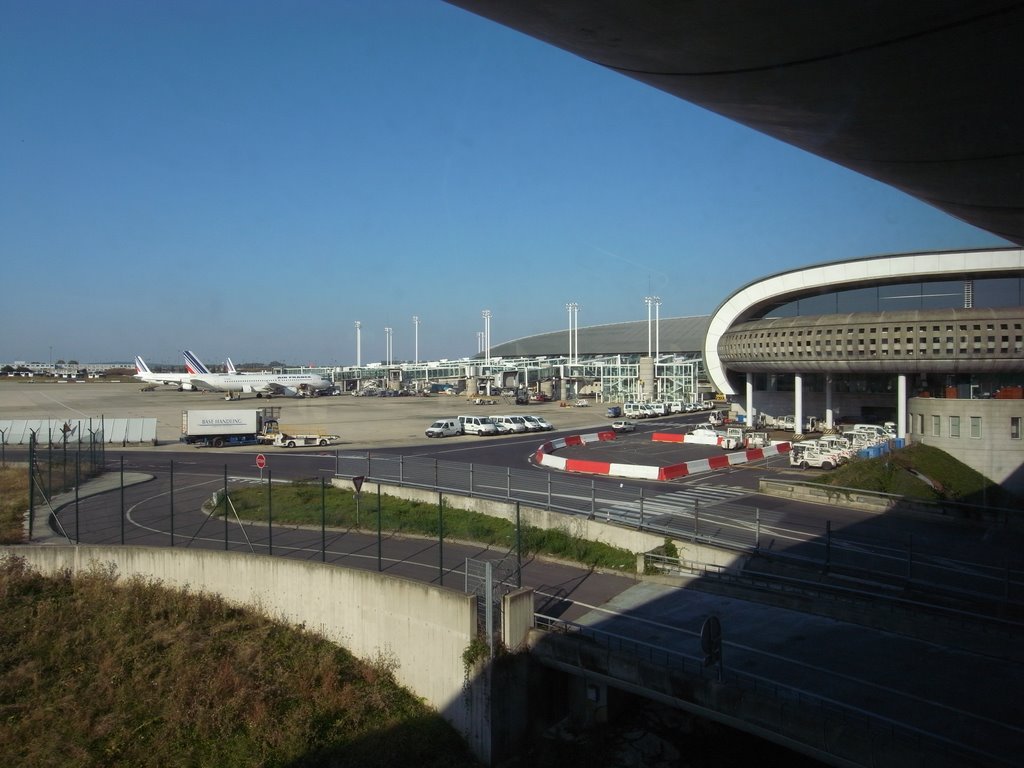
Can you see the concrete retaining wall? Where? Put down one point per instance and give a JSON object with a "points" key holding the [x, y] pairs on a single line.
{"points": [[421, 628], [576, 525], [869, 501]]}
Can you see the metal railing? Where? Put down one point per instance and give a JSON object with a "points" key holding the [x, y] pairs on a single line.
{"points": [[695, 515]]}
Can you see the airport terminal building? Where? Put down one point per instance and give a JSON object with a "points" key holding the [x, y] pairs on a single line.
{"points": [[933, 342]]}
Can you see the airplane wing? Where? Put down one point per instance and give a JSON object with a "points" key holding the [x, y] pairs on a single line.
{"points": [[199, 383]]}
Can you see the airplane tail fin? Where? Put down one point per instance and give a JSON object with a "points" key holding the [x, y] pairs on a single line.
{"points": [[140, 365], [231, 366], [193, 364]]}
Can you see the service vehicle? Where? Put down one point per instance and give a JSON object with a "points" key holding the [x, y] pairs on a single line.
{"points": [[538, 423], [477, 425], [624, 425], [512, 423], [757, 440], [812, 456], [546, 426], [444, 428], [633, 411], [220, 427], [289, 440], [276, 434]]}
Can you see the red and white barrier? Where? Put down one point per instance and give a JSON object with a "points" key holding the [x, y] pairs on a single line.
{"points": [[545, 457]]}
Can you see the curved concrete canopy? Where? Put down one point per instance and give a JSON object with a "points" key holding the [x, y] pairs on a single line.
{"points": [[923, 95], [791, 284]]}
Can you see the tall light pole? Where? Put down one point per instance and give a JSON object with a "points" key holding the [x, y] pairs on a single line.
{"points": [[574, 329], [649, 300], [387, 340], [479, 341], [657, 327], [416, 338], [486, 314], [359, 349]]}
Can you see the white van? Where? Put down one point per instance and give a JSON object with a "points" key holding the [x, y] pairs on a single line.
{"points": [[444, 428], [633, 411], [477, 425], [514, 423]]}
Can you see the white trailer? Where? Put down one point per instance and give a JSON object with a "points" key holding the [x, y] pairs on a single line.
{"points": [[225, 426]]}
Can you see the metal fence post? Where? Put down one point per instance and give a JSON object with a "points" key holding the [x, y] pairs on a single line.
{"points": [[122, 499], [641, 507], [401, 469], [270, 516], [78, 483], [519, 549], [757, 527], [323, 520], [171, 495], [225, 507], [696, 518], [31, 481], [440, 539]]}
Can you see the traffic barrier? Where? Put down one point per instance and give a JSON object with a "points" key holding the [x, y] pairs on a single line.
{"points": [[545, 457]]}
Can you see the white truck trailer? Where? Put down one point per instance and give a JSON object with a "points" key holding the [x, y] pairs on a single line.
{"points": [[217, 428]]}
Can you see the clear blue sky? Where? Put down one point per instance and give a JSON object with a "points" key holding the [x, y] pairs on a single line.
{"points": [[248, 179]]}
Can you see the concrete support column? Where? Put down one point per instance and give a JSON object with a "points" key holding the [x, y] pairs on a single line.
{"points": [[829, 416], [751, 421], [901, 406], [798, 404]]}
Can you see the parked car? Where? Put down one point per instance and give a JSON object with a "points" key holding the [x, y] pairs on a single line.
{"points": [[533, 424], [545, 425], [510, 423], [444, 428], [624, 425], [582, 403], [613, 412]]}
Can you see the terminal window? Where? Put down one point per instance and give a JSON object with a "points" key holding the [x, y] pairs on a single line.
{"points": [[976, 426], [1015, 427], [954, 426]]}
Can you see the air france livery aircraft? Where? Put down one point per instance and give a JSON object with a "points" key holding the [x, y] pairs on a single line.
{"points": [[182, 381], [260, 384]]}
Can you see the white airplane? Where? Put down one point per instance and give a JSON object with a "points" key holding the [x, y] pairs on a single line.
{"points": [[260, 384], [182, 381]]}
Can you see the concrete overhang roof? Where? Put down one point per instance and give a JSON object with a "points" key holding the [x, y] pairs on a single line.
{"points": [[922, 95]]}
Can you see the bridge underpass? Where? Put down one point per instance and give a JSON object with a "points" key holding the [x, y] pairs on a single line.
{"points": [[839, 692]]}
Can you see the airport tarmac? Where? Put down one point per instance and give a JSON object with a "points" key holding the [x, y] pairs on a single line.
{"points": [[362, 422]]}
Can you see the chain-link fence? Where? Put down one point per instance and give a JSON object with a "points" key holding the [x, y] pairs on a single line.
{"points": [[62, 465], [713, 515]]}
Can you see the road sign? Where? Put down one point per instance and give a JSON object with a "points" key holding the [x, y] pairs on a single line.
{"points": [[261, 460], [358, 482]]}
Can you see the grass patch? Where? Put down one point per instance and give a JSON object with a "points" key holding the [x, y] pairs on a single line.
{"points": [[104, 671], [13, 503], [901, 472], [300, 504]]}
